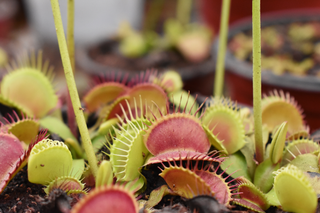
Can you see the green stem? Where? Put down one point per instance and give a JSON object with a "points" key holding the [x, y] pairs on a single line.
{"points": [[70, 33], [183, 11], [256, 34], [153, 14], [223, 37], [87, 145], [70, 43]]}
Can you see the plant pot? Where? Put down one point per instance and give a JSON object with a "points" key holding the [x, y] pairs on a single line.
{"points": [[103, 57], [304, 89], [240, 9]]}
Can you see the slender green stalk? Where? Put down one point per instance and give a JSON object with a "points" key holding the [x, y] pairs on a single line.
{"points": [[70, 33], [87, 145], [256, 34], [223, 37], [183, 11], [153, 14], [70, 43]]}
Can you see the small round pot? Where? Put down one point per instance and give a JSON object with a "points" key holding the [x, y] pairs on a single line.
{"points": [[197, 77], [305, 90], [210, 9]]}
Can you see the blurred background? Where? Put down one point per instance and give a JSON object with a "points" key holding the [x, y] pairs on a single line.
{"points": [[129, 36]]}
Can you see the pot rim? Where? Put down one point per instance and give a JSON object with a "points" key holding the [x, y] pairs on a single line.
{"points": [[92, 67], [244, 69]]}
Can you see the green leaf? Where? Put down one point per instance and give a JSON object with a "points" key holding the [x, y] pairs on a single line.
{"points": [[235, 162], [248, 153], [77, 168], [57, 126], [263, 177], [272, 198]]}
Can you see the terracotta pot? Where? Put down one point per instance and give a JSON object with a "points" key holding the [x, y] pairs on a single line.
{"points": [[197, 77], [210, 9], [305, 90]]}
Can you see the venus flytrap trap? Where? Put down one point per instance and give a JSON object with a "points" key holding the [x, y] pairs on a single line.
{"points": [[48, 160], [114, 198], [25, 129], [128, 151], [223, 124], [301, 197], [251, 196], [190, 182], [51, 164], [28, 83], [14, 157]]}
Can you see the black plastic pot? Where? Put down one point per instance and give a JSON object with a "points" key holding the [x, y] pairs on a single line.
{"points": [[198, 78], [305, 90]]}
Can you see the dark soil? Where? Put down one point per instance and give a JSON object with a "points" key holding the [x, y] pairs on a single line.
{"points": [[21, 196]]}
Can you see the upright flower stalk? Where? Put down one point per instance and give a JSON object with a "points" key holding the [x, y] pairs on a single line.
{"points": [[87, 145], [70, 43], [70, 33], [256, 35], [223, 36], [183, 11]]}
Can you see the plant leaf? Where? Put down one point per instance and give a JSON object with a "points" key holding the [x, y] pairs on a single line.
{"points": [[234, 162], [57, 126], [263, 177]]}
